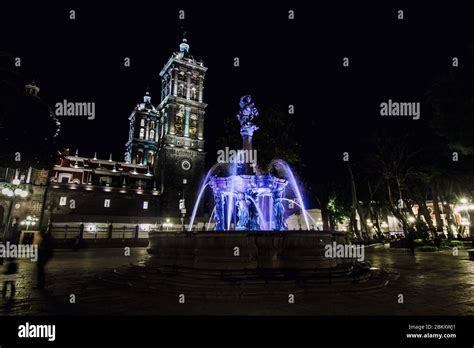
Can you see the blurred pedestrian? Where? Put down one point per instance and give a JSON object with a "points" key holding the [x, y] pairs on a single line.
{"points": [[411, 242], [10, 278], [76, 243], [45, 252]]}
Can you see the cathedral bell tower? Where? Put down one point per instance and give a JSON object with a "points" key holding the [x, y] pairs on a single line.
{"points": [[181, 154], [143, 138]]}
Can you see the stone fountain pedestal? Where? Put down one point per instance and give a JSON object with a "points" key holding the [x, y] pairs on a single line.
{"points": [[248, 254]]}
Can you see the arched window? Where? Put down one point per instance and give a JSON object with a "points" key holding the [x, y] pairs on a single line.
{"points": [[142, 122], [181, 91], [193, 123], [193, 93], [142, 133], [152, 125], [152, 135], [150, 158], [178, 123], [139, 157]]}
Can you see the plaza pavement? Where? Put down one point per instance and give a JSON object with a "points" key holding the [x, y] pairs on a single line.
{"points": [[432, 283]]}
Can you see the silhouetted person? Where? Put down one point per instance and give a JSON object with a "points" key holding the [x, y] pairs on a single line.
{"points": [[15, 236], [28, 239], [81, 230], [76, 243], [411, 242], [10, 278], [110, 230], [45, 252], [437, 240]]}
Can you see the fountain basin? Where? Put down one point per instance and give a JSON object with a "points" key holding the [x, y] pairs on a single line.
{"points": [[242, 253]]}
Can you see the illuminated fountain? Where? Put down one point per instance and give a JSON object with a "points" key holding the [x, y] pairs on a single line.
{"points": [[245, 200], [250, 242]]}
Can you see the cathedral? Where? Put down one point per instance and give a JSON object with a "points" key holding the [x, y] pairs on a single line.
{"points": [[169, 138], [156, 183]]}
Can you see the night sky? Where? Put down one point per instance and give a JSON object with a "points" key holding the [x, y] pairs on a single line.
{"points": [[281, 62]]}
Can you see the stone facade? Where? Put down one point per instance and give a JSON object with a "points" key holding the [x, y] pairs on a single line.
{"points": [[180, 162], [144, 134]]}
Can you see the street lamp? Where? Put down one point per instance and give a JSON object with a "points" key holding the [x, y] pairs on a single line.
{"points": [[167, 224], [12, 192], [29, 221]]}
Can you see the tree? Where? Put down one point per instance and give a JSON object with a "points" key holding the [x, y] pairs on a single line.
{"points": [[28, 127]]}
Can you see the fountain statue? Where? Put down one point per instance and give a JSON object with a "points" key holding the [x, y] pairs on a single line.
{"points": [[247, 112]]}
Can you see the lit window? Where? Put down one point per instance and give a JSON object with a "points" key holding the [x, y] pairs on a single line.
{"points": [[63, 201], [142, 122], [150, 158], [193, 125], [152, 135], [106, 203], [145, 204], [178, 123], [139, 156], [142, 133]]}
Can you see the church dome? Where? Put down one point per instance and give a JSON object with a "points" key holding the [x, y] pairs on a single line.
{"points": [[146, 106]]}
